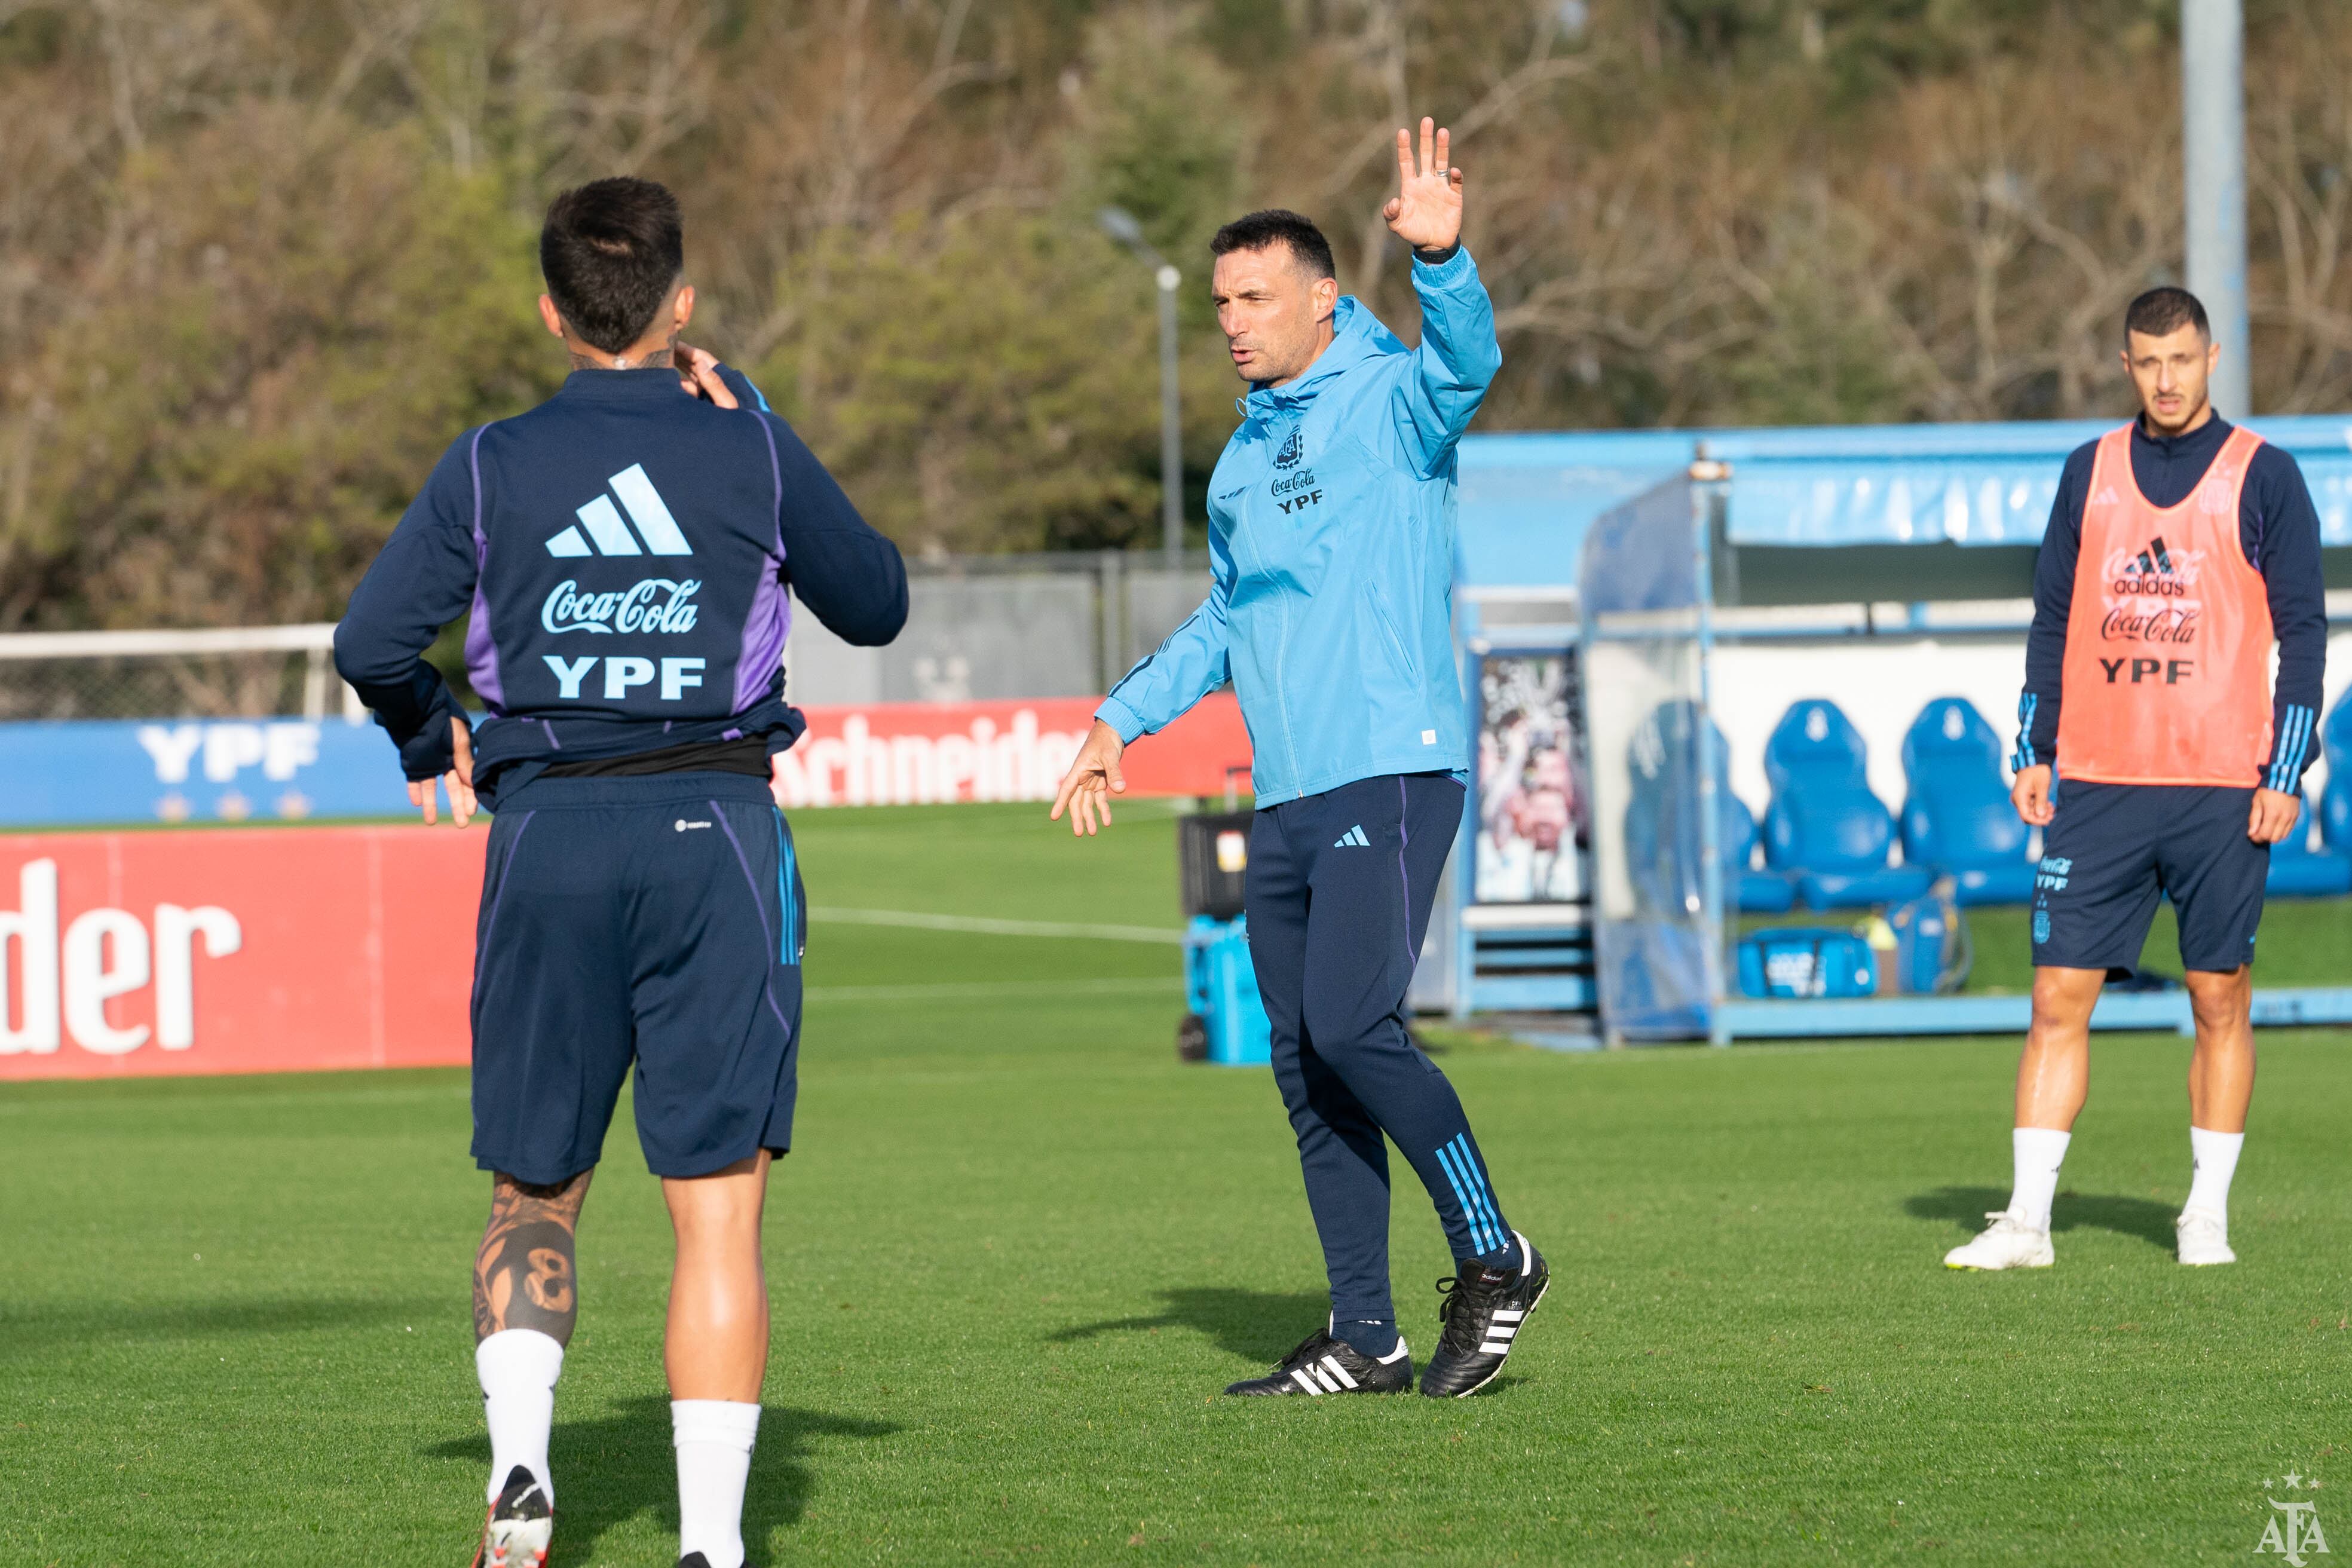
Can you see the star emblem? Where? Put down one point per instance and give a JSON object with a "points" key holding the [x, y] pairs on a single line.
{"points": [[2294, 1480]]}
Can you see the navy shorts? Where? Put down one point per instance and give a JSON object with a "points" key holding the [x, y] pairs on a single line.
{"points": [[2113, 847], [658, 920]]}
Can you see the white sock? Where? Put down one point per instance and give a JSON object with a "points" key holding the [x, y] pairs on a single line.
{"points": [[2214, 1158], [714, 1438], [2038, 1152], [519, 1368]]}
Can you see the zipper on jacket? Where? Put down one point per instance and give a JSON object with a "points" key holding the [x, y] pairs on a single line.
{"points": [[1281, 649]]}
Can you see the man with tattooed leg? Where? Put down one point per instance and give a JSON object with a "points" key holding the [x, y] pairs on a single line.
{"points": [[624, 550]]}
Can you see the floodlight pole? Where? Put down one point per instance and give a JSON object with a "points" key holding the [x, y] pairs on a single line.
{"points": [[1172, 425], [1120, 224], [2213, 134]]}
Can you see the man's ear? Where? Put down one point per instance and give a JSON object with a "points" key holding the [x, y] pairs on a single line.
{"points": [[1327, 297], [682, 309], [549, 314]]}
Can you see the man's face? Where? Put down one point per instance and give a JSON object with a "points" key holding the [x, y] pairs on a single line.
{"points": [[2170, 373], [1276, 315]]}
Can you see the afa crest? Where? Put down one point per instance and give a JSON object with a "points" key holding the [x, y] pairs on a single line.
{"points": [[1293, 448]]}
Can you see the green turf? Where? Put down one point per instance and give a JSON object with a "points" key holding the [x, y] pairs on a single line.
{"points": [[1018, 1248]]}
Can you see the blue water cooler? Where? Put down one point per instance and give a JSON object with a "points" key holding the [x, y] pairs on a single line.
{"points": [[1225, 1023]]}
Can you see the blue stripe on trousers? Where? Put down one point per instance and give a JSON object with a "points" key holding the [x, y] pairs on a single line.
{"points": [[1479, 1189]]}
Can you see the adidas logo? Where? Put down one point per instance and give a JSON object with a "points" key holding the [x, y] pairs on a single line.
{"points": [[1353, 839], [2153, 571], [2107, 496], [2150, 561], [611, 535]]}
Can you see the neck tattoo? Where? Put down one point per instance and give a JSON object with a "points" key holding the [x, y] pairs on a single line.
{"points": [[589, 358]]}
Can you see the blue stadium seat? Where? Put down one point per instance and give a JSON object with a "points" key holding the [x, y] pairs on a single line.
{"points": [[2335, 806], [1662, 826], [1824, 826], [1957, 818], [2299, 872], [1757, 892]]}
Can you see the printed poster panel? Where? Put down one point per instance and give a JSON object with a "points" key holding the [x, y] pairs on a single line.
{"points": [[1533, 807]]}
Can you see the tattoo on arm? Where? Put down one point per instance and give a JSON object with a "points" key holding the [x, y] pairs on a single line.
{"points": [[524, 1275]]}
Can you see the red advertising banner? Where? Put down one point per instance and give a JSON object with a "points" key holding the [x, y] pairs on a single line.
{"points": [[305, 949], [909, 753], [220, 951]]}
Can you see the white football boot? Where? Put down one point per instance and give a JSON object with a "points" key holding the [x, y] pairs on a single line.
{"points": [[520, 1522], [2204, 1239], [2008, 1243]]}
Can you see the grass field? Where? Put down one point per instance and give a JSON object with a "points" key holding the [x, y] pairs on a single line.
{"points": [[1018, 1248]]}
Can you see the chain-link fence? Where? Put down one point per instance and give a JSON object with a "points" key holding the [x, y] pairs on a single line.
{"points": [[982, 628], [246, 672], [979, 628]]}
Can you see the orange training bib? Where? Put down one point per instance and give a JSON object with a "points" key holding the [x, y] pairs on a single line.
{"points": [[2167, 678]]}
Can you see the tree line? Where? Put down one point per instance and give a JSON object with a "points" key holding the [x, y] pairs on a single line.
{"points": [[261, 259]]}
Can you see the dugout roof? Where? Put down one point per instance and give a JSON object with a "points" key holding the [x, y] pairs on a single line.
{"points": [[1527, 500]]}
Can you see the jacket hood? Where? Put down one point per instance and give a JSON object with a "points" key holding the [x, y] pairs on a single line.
{"points": [[1357, 335]]}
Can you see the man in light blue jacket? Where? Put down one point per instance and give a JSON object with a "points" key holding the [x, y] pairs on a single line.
{"points": [[1331, 546]]}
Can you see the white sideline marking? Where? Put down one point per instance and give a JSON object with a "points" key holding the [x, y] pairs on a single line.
{"points": [[949, 990], [995, 927]]}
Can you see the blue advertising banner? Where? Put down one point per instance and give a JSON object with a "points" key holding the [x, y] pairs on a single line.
{"points": [[192, 770]]}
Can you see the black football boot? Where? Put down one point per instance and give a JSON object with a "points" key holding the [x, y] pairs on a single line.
{"points": [[1322, 1364], [1484, 1310]]}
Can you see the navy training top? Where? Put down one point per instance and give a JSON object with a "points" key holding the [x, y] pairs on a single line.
{"points": [[624, 549], [2278, 528]]}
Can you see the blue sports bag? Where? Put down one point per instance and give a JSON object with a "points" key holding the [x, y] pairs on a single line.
{"points": [[1805, 962]]}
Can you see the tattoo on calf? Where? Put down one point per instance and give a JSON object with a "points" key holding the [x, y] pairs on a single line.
{"points": [[524, 1275]]}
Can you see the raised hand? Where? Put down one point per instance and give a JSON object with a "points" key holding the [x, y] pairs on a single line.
{"points": [[1427, 211]]}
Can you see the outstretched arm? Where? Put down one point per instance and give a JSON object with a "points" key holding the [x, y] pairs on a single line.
{"points": [[1194, 661], [1458, 355]]}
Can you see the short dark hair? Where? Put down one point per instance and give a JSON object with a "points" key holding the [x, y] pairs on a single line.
{"points": [[1278, 226], [2162, 312], [610, 251]]}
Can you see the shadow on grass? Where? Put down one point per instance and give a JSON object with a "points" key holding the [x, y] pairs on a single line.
{"points": [[1256, 1325], [30, 1329], [609, 1471], [2143, 1218]]}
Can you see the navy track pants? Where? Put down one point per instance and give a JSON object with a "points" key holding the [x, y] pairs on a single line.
{"points": [[1338, 895]]}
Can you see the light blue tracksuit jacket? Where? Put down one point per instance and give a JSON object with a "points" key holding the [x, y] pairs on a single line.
{"points": [[1331, 550]]}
